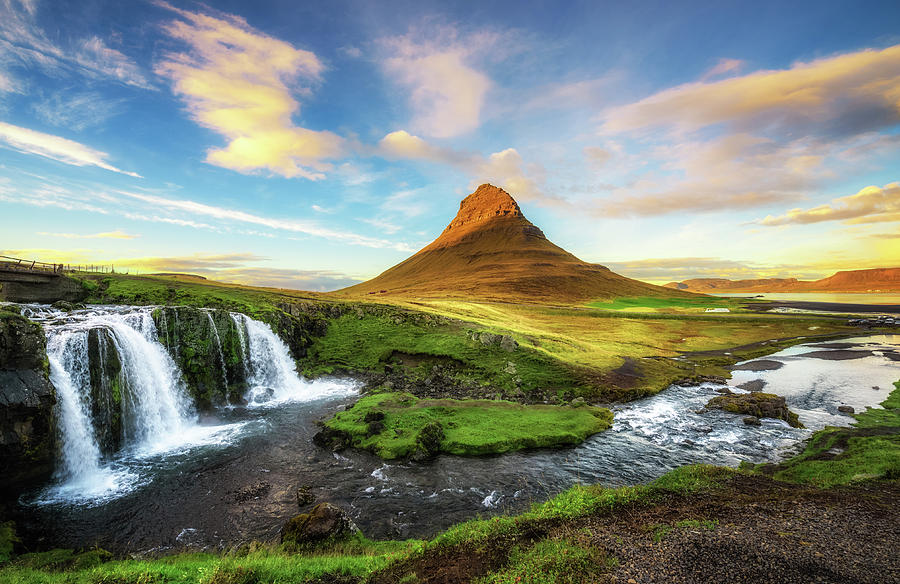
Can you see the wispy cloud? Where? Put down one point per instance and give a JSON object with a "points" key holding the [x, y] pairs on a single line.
{"points": [[117, 234], [446, 89], [23, 44], [723, 67], [55, 148], [242, 84], [306, 227], [78, 111], [870, 205]]}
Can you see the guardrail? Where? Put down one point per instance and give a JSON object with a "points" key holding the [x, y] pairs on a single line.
{"points": [[22, 265]]}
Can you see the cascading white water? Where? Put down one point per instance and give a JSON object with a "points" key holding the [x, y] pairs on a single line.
{"points": [[68, 357], [272, 375], [154, 417], [155, 398], [154, 409]]}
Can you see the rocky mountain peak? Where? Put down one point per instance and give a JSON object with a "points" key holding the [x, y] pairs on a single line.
{"points": [[487, 202]]}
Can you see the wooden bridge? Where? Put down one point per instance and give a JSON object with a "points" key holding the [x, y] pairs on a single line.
{"points": [[33, 281], [9, 264]]}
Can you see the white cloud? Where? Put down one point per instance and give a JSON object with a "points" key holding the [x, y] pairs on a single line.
{"points": [[446, 90], [55, 148]]}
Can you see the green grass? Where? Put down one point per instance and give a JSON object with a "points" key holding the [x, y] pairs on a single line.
{"points": [[269, 564], [663, 304], [468, 427], [837, 456], [552, 561], [368, 343]]}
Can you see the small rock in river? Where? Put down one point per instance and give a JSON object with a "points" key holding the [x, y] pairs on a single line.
{"points": [[752, 421], [846, 409]]}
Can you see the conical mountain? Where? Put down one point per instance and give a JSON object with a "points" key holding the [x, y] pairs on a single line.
{"points": [[491, 251]]}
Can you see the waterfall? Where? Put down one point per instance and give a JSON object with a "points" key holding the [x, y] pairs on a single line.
{"points": [[272, 375], [150, 398], [67, 354], [122, 399]]}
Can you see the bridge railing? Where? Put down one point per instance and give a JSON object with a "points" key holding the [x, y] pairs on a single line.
{"points": [[23, 265]]}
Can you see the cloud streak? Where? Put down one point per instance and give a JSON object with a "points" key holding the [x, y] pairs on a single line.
{"points": [[240, 83], [118, 234], [55, 148], [870, 205]]}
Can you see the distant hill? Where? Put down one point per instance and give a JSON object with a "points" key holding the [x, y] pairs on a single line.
{"points": [[491, 251], [873, 280]]}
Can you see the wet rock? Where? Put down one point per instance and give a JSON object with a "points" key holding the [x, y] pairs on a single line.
{"points": [[759, 405], [251, 492], [27, 429], [324, 523], [846, 409], [755, 385], [752, 421], [304, 496]]}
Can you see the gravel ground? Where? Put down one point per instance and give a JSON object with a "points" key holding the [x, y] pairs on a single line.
{"points": [[762, 532], [755, 530]]}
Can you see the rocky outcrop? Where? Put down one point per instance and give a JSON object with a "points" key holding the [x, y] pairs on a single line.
{"points": [[107, 383], [757, 405], [27, 432], [207, 347], [324, 523]]}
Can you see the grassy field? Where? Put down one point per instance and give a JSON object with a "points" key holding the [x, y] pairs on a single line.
{"points": [[395, 425], [666, 305]]}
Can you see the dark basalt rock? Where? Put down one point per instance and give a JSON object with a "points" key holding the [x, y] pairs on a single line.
{"points": [[759, 405], [324, 523], [27, 431], [846, 409]]}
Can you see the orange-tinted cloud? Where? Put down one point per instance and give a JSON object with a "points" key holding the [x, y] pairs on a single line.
{"points": [[241, 84], [870, 205], [840, 95]]}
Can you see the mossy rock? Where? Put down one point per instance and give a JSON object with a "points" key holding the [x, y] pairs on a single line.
{"points": [[325, 523], [759, 405]]}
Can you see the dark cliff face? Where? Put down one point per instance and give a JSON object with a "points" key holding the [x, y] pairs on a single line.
{"points": [[27, 431]]}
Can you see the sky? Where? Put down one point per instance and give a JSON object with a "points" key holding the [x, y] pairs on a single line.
{"points": [[311, 145]]}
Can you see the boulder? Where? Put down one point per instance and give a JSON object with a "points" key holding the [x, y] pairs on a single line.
{"points": [[759, 405], [324, 523], [752, 421], [846, 409], [428, 441]]}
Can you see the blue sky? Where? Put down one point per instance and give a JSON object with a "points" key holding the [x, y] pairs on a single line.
{"points": [[311, 145]]}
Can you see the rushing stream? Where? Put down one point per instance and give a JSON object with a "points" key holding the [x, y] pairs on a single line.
{"points": [[179, 480]]}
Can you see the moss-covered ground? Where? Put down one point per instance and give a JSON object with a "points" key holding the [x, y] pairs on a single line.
{"points": [[395, 425]]}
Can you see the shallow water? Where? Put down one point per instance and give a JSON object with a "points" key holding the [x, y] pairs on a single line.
{"points": [[842, 298], [195, 495]]}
